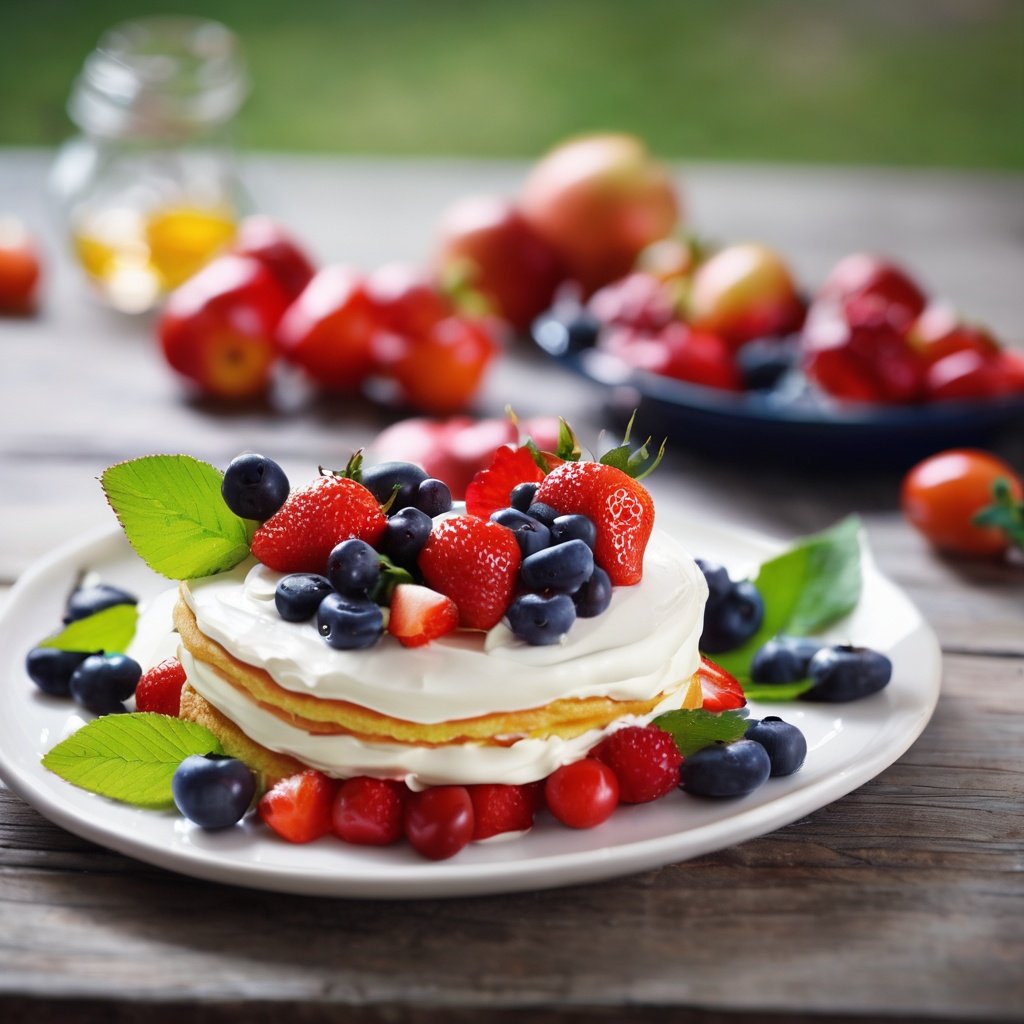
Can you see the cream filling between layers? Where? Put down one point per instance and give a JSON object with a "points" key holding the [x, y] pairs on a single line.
{"points": [[643, 645]]}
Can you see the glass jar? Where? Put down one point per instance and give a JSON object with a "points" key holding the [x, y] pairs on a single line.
{"points": [[150, 189]]}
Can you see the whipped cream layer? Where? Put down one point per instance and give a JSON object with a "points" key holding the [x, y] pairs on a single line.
{"points": [[643, 645]]}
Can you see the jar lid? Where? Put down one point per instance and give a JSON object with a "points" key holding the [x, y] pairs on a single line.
{"points": [[163, 77]]}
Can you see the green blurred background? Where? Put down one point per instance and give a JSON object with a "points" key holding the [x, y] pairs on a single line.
{"points": [[920, 82]]}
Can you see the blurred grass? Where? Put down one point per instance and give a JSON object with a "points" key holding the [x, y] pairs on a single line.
{"points": [[922, 82]]}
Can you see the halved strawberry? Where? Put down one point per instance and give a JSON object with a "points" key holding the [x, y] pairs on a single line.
{"points": [[419, 614], [159, 689], [499, 808], [298, 808], [302, 533], [491, 488], [720, 690], [476, 563]]}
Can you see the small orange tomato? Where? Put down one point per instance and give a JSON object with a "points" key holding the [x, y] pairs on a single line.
{"points": [[941, 495], [19, 268]]}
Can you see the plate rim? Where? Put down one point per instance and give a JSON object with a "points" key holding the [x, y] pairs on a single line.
{"points": [[452, 878]]}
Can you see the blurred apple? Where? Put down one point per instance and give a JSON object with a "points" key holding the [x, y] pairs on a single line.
{"points": [[743, 292], [217, 329], [264, 239], [939, 332], [407, 299], [488, 239], [862, 274], [599, 201], [19, 268]]}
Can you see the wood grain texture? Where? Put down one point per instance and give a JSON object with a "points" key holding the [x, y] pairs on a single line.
{"points": [[902, 901]]}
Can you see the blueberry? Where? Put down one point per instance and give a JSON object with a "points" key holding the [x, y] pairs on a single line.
{"points": [[543, 513], [353, 567], [433, 497], [563, 568], [522, 496], [298, 596], [784, 743], [51, 669], [784, 659], [574, 527], [541, 620], [404, 536], [845, 673], [102, 682], [594, 596], [212, 790], [763, 362], [561, 335], [733, 620], [254, 487], [85, 601], [348, 623], [382, 480], [725, 769], [717, 578], [532, 534]]}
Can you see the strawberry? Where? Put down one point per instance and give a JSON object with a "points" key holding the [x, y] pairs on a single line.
{"points": [[491, 488], [498, 808], [299, 807], [302, 533], [619, 506], [368, 812], [721, 691], [159, 689], [476, 563], [645, 760], [419, 614]]}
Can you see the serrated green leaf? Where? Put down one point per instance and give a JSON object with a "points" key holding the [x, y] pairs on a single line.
{"points": [[768, 692], [174, 516], [110, 630], [696, 728], [568, 449], [805, 589], [130, 758]]}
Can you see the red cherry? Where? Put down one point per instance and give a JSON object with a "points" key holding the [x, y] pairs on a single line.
{"points": [[439, 821], [582, 794], [966, 375], [368, 812]]}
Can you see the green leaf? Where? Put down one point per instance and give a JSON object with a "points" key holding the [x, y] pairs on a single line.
{"points": [[568, 449], [130, 758], [805, 589], [110, 630], [174, 516], [1004, 513], [695, 729], [768, 692]]}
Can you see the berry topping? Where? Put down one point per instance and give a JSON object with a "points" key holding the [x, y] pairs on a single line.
{"points": [[474, 562], [784, 743], [419, 615], [50, 669], [733, 619], [498, 808], [86, 601], [159, 689], [394, 482], [725, 769], [845, 673], [492, 488], [543, 513], [300, 536], [368, 812], [717, 578], [523, 495], [645, 760], [353, 568], [620, 508], [566, 528], [102, 682], [532, 534], [439, 821], [212, 790], [299, 807], [434, 497], [539, 620], [594, 596], [349, 623], [563, 568], [582, 794], [254, 487], [783, 659], [720, 690], [404, 536], [298, 595]]}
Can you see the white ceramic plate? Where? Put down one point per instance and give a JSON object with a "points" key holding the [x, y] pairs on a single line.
{"points": [[848, 745]]}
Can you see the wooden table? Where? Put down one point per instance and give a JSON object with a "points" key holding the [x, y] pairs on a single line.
{"points": [[904, 900]]}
